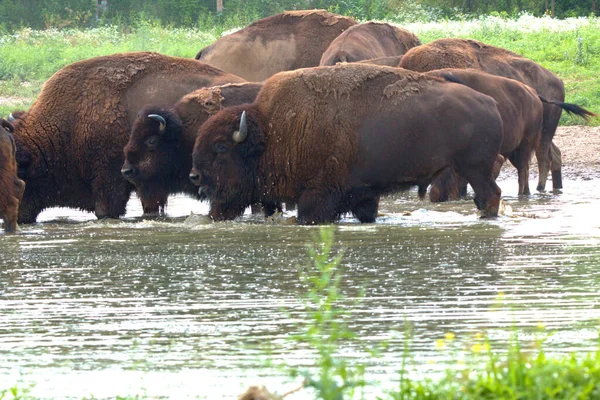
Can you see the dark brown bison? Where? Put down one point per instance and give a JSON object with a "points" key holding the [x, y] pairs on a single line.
{"points": [[521, 109], [465, 53], [158, 156], [333, 139], [70, 142], [11, 187], [283, 42], [367, 41]]}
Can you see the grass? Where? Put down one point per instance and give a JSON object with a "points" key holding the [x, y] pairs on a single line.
{"points": [[570, 48]]}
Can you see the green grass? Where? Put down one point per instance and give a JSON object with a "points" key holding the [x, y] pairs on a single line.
{"points": [[569, 48]]}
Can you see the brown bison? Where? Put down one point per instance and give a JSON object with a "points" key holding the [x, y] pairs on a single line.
{"points": [[521, 109], [283, 42], [367, 41], [70, 142], [466, 53], [11, 187], [158, 156], [333, 139]]}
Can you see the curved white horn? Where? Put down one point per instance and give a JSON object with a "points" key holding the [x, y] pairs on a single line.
{"points": [[240, 136], [160, 119]]}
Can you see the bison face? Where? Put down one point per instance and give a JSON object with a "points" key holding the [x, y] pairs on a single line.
{"points": [[153, 155], [226, 154]]}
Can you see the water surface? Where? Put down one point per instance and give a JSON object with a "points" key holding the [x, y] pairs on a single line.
{"points": [[180, 307]]}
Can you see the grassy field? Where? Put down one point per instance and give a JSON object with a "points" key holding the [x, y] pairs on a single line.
{"points": [[570, 48]]}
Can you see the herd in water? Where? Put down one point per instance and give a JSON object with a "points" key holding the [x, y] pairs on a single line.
{"points": [[304, 108]]}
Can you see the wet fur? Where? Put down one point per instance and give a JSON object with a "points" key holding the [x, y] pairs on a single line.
{"points": [[310, 133], [165, 168], [70, 142]]}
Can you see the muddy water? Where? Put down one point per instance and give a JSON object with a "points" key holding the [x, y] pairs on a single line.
{"points": [[183, 308]]}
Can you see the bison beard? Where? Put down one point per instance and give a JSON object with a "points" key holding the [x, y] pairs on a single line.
{"points": [[312, 140]]}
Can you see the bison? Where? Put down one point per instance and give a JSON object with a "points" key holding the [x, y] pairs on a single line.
{"points": [[334, 139], [158, 156], [521, 109], [11, 187], [283, 42], [367, 41], [466, 53], [70, 142]]}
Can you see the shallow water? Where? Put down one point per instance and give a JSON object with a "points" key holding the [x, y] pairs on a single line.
{"points": [[182, 308]]}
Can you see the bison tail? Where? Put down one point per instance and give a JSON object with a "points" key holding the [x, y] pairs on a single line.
{"points": [[570, 108]]}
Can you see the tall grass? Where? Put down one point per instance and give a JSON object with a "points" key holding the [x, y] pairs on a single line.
{"points": [[570, 48]]}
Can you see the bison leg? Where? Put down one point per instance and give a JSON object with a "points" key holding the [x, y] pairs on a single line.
{"points": [[520, 159], [487, 193], [556, 167], [446, 186], [10, 215], [366, 209], [318, 207], [225, 212]]}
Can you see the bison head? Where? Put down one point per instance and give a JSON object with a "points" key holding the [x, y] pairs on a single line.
{"points": [[226, 155], [153, 154]]}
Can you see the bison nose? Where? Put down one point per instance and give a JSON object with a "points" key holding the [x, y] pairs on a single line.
{"points": [[195, 177], [128, 171]]}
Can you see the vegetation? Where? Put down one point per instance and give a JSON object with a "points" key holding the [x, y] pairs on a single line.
{"points": [[570, 48], [43, 14]]}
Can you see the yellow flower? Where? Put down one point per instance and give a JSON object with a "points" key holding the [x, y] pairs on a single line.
{"points": [[541, 326], [476, 348], [449, 336], [440, 344], [431, 362], [478, 335]]}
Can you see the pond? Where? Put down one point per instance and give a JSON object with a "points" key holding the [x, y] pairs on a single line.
{"points": [[180, 307]]}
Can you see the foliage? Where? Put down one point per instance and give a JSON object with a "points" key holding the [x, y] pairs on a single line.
{"points": [[40, 14], [326, 330], [513, 374]]}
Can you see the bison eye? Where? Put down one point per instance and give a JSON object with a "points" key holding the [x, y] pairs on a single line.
{"points": [[220, 148], [152, 140]]}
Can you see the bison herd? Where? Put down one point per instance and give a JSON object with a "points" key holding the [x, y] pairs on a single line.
{"points": [[306, 108]]}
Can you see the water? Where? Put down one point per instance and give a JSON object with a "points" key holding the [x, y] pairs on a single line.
{"points": [[183, 308]]}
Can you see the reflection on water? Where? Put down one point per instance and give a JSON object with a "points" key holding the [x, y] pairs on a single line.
{"points": [[179, 307]]}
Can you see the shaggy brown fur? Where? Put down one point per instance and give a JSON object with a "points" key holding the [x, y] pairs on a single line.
{"points": [[70, 142], [367, 41], [333, 139], [11, 187], [158, 163], [465, 53], [283, 42]]}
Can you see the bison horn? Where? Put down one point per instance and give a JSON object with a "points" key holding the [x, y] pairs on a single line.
{"points": [[11, 118], [160, 119], [240, 136]]}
